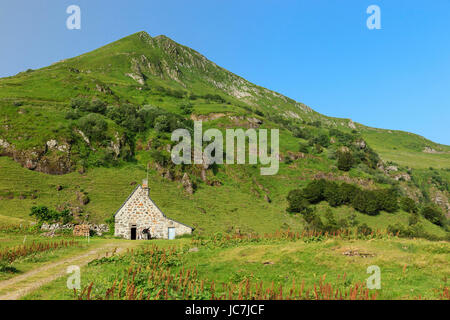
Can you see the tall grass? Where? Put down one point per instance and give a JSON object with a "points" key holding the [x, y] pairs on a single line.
{"points": [[152, 278], [11, 254]]}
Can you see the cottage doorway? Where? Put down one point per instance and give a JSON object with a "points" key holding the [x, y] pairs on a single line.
{"points": [[133, 233], [171, 233]]}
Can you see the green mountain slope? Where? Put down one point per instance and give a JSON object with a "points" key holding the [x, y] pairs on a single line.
{"points": [[94, 122]]}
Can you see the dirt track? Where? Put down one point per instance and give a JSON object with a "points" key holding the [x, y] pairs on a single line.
{"points": [[17, 287]]}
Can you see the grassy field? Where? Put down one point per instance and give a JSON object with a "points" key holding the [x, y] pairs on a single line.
{"points": [[409, 268]]}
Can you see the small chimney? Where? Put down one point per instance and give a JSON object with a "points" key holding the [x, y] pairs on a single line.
{"points": [[145, 185]]}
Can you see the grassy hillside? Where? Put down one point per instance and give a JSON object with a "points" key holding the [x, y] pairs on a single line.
{"points": [[409, 269], [80, 133]]}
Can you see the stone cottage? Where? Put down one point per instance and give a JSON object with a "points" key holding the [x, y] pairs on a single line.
{"points": [[140, 218]]}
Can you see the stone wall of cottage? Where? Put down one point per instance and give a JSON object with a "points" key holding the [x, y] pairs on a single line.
{"points": [[141, 212]]}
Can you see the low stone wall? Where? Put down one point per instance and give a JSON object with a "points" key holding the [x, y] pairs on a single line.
{"points": [[97, 229]]}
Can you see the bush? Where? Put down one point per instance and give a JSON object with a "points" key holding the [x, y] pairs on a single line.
{"points": [[413, 218], [297, 203], [366, 202], [301, 133], [332, 193], [348, 192], [345, 160], [433, 214], [161, 157], [364, 229], [387, 200], [186, 108], [322, 140], [408, 205], [94, 126], [314, 191], [44, 214], [313, 221], [73, 115], [303, 147], [86, 105]]}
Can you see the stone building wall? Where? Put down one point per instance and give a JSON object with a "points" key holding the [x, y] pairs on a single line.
{"points": [[141, 212]]}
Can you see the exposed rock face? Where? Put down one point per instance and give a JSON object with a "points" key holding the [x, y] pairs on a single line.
{"points": [[187, 184], [82, 198], [351, 124], [392, 169], [360, 181], [207, 117], [402, 177], [441, 199], [241, 121], [361, 144], [429, 150], [43, 159], [295, 155]]}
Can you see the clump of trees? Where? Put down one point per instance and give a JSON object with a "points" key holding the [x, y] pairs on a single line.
{"points": [[370, 202], [44, 214]]}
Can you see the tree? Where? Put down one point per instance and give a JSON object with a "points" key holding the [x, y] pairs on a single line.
{"points": [[162, 123], [297, 203], [366, 202], [93, 125], [313, 192], [345, 160], [387, 200], [348, 192], [333, 194], [408, 205], [44, 214], [433, 214]]}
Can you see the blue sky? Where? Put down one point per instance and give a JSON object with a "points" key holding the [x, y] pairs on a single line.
{"points": [[319, 52]]}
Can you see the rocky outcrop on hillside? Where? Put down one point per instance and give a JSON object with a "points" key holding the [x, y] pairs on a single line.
{"points": [[53, 158]]}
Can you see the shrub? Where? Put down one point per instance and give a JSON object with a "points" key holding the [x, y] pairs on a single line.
{"points": [[297, 203], [94, 126], [332, 193], [162, 124], [433, 214], [348, 192], [345, 160], [408, 205], [303, 147], [366, 202], [364, 229], [314, 191], [322, 140], [301, 133], [161, 157], [44, 214], [313, 221], [387, 200], [73, 115], [186, 108], [413, 218]]}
